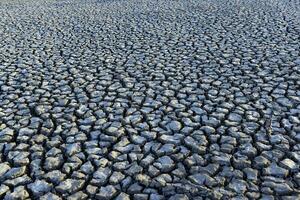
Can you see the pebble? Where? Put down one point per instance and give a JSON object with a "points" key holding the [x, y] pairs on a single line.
{"points": [[275, 170], [174, 125], [107, 192], [70, 186], [39, 187]]}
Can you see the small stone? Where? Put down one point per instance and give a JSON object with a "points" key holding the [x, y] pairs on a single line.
{"points": [[72, 149], [81, 110], [164, 164], [202, 179], [88, 121], [208, 129], [261, 162], [70, 186], [15, 172], [253, 195], [222, 159], [156, 197], [279, 188], [235, 117], [116, 178], [50, 196], [22, 180], [26, 131], [285, 102], [122, 196], [297, 61], [126, 182], [106, 193], [275, 170], [266, 197], [143, 179], [210, 169], [140, 196], [18, 193], [7, 131], [174, 125], [52, 163], [3, 189], [239, 186], [166, 149], [135, 188], [102, 175], [87, 168], [174, 139], [251, 174], [4, 167], [289, 164], [276, 139], [194, 145], [78, 195], [55, 176], [161, 180], [134, 169], [39, 187], [198, 110], [91, 190], [136, 139], [114, 131], [179, 197], [147, 161]]}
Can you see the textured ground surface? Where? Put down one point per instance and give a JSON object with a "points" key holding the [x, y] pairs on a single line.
{"points": [[141, 99]]}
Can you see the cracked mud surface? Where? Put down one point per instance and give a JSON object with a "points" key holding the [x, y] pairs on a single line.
{"points": [[149, 99]]}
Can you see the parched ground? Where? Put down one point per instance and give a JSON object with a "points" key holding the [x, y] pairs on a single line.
{"points": [[149, 99]]}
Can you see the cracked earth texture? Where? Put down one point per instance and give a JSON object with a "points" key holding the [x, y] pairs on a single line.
{"points": [[140, 99]]}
